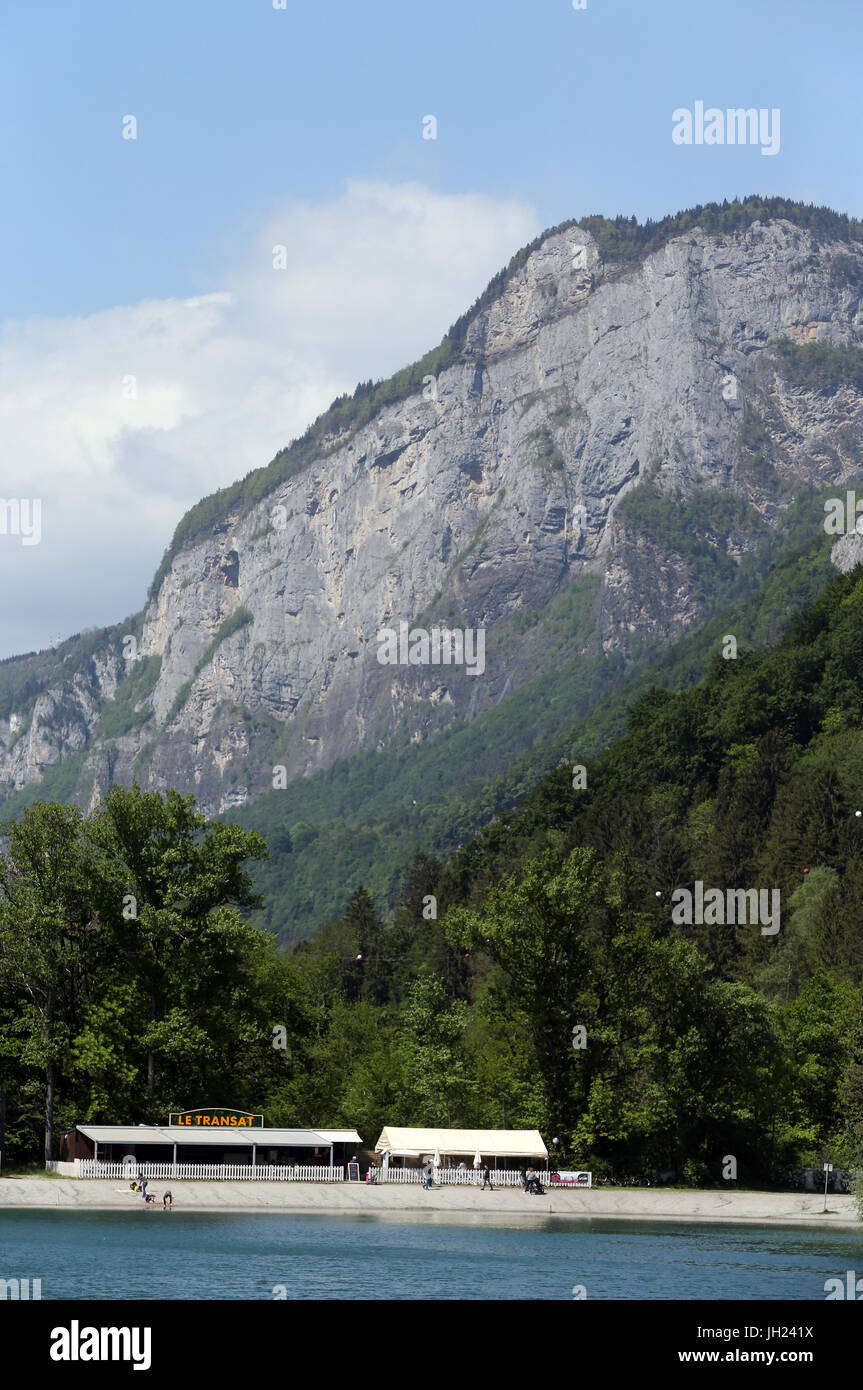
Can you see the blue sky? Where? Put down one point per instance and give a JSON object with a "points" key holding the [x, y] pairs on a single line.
{"points": [[254, 124], [240, 106]]}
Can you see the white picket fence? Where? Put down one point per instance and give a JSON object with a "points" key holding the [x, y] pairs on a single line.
{"points": [[470, 1177], [270, 1172], [233, 1172], [454, 1177]]}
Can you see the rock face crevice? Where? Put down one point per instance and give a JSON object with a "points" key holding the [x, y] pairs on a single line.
{"points": [[473, 505]]}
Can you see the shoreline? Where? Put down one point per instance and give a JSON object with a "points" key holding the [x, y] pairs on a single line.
{"points": [[392, 1201]]}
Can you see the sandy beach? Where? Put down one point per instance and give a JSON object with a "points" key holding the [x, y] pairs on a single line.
{"points": [[642, 1204]]}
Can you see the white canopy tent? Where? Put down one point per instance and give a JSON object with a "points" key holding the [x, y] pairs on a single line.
{"points": [[492, 1144]]}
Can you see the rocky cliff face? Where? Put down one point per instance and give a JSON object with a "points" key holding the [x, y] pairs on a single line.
{"points": [[472, 504]]}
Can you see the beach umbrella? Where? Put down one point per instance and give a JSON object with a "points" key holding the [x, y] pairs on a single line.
{"points": [[477, 1160], [436, 1159]]}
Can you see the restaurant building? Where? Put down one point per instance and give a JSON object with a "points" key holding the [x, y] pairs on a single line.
{"points": [[208, 1136]]}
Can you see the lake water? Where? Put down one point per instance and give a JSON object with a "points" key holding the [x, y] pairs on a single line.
{"points": [[157, 1255]]}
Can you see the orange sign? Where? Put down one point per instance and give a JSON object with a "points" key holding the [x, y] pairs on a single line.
{"points": [[216, 1118]]}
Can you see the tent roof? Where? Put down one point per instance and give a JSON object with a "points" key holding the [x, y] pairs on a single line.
{"points": [[519, 1143], [228, 1137]]}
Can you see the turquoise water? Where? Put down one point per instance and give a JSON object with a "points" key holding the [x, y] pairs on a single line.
{"points": [[93, 1255]]}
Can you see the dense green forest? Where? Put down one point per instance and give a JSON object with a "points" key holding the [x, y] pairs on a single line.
{"points": [[538, 967], [363, 819]]}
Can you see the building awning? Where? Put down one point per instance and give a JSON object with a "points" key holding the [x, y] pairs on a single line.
{"points": [[227, 1137], [340, 1136], [491, 1143]]}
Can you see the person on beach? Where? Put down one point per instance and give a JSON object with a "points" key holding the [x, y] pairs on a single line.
{"points": [[522, 1173], [144, 1188], [530, 1181], [168, 1202], [486, 1177], [428, 1175]]}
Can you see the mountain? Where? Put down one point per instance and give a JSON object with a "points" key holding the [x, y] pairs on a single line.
{"points": [[364, 821], [620, 437], [558, 977]]}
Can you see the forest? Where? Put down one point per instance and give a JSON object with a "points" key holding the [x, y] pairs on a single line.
{"points": [[534, 973]]}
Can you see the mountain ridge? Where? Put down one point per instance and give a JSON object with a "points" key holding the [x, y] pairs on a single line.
{"points": [[582, 393], [619, 238]]}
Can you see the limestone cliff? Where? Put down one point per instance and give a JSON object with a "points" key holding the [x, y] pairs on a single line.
{"points": [[473, 502]]}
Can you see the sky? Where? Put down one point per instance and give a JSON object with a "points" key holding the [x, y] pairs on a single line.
{"points": [[149, 350]]}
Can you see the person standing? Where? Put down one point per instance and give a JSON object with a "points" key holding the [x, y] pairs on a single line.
{"points": [[428, 1174], [486, 1177]]}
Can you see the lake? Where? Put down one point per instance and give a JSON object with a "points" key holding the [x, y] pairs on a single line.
{"points": [[159, 1255]]}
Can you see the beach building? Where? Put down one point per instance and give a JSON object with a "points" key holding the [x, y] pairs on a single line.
{"points": [[500, 1148], [206, 1137]]}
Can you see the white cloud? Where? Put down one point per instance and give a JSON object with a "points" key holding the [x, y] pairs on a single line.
{"points": [[221, 382]]}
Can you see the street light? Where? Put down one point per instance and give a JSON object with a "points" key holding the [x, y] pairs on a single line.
{"points": [[828, 1169]]}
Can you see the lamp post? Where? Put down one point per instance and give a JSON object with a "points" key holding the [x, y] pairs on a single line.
{"points": [[828, 1169]]}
